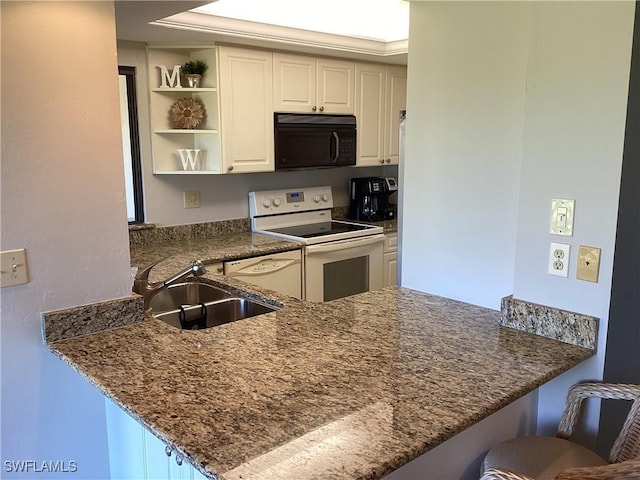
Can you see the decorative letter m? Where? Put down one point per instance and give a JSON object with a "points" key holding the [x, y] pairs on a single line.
{"points": [[172, 79]]}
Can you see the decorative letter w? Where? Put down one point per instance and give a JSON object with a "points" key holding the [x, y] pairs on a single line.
{"points": [[189, 157]]}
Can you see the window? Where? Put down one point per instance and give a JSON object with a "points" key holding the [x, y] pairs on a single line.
{"points": [[131, 144]]}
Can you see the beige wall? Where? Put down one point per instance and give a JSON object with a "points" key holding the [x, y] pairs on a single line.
{"points": [[509, 105], [62, 200]]}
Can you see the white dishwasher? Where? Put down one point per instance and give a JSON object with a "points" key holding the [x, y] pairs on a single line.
{"points": [[281, 272]]}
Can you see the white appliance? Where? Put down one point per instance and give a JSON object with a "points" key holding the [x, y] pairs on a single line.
{"points": [[281, 272], [340, 258], [402, 127]]}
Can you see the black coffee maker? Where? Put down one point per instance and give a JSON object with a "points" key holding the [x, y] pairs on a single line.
{"points": [[370, 198]]}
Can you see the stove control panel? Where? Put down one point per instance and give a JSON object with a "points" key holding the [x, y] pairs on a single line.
{"points": [[273, 202]]}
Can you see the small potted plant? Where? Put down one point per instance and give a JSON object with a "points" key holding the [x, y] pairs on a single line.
{"points": [[193, 71]]}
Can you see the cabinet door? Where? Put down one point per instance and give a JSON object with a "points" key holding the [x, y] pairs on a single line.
{"points": [[390, 263], [246, 107], [125, 438], [370, 113], [294, 82], [137, 454], [336, 86], [134, 453], [396, 101], [390, 269], [157, 463]]}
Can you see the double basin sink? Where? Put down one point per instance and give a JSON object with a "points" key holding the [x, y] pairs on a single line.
{"points": [[197, 305]]}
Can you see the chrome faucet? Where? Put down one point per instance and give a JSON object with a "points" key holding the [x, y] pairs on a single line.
{"points": [[142, 286]]}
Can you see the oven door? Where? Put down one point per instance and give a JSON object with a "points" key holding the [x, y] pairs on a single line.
{"points": [[338, 269]]}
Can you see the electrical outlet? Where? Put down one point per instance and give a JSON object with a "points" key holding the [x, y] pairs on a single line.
{"points": [[192, 199], [559, 259], [588, 263], [13, 268]]}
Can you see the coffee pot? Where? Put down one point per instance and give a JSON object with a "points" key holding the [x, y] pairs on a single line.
{"points": [[369, 198]]}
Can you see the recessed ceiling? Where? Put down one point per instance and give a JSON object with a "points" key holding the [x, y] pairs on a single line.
{"points": [[363, 29], [382, 20]]}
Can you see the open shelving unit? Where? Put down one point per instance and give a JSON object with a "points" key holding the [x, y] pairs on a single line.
{"points": [[166, 140]]}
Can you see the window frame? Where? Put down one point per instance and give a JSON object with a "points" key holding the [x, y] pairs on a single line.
{"points": [[134, 140]]}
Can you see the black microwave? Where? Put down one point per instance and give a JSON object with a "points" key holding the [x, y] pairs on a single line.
{"points": [[314, 140]]}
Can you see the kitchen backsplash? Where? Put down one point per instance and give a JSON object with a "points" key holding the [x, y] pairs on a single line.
{"points": [[569, 327], [146, 236]]}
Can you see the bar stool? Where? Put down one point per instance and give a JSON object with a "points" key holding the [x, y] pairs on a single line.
{"points": [[549, 458]]}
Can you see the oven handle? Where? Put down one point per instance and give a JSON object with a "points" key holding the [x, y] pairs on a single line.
{"points": [[344, 244]]}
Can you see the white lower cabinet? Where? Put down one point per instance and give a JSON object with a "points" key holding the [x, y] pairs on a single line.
{"points": [[390, 263], [137, 454]]}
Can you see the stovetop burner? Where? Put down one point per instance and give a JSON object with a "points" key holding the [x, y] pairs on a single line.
{"points": [[303, 215], [320, 229]]}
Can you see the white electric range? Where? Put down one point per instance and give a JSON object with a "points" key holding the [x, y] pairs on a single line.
{"points": [[341, 258]]}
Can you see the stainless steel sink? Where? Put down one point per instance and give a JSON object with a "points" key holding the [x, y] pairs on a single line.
{"points": [[187, 293], [195, 306]]}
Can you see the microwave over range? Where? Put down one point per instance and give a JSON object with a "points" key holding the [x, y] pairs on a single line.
{"points": [[314, 140]]}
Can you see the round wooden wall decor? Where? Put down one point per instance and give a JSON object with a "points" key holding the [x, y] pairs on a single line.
{"points": [[187, 113]]}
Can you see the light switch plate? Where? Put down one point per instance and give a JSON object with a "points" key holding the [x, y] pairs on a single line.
{"points": [[588, 263], [562, 216], [13, 268], [559, 259]]}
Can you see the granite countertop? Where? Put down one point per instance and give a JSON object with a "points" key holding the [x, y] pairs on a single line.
{"points": [[350, 389], [388, 226], [213, 249]]}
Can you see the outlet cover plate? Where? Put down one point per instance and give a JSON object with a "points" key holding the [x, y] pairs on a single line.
{"points": [[588, 263], [562, 216], [192, 199], [558, 263], [13, 268]]}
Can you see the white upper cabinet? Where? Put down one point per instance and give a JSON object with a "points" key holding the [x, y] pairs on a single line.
{"points": [[336, 86], [294, 83], [396, 101], [370, 105], [313, 85], [246, 107], [380, 96], [241, 90]]}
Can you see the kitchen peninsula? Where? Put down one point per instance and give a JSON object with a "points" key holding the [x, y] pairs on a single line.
{"points": [[354, 388]]}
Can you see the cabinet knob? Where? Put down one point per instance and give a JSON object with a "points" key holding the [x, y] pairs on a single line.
{"points": [[322, 109], [179, 459], [388, 160], [230, 167], [382, 160], [167, 450], [314, 108]]}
